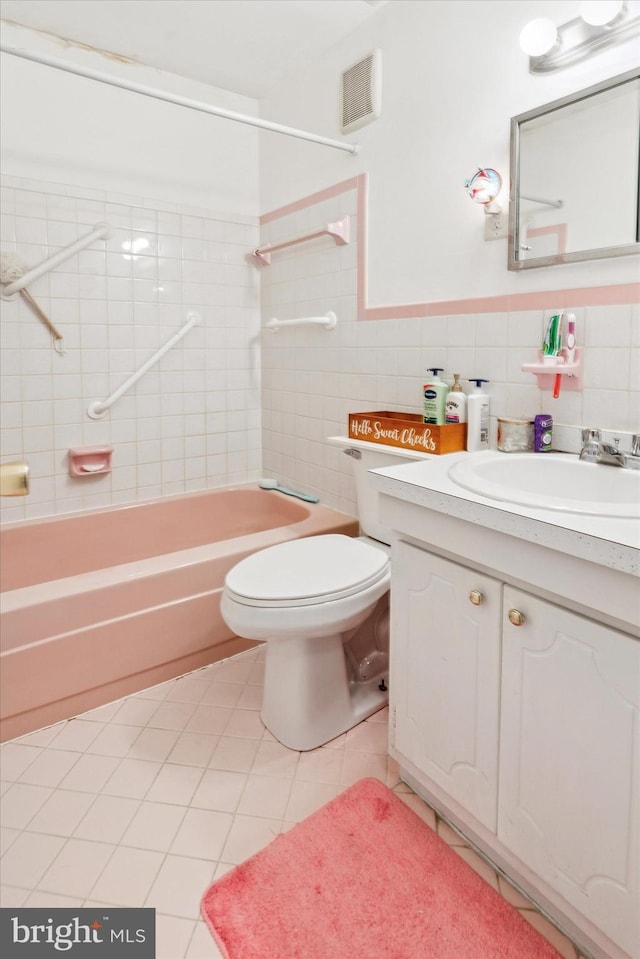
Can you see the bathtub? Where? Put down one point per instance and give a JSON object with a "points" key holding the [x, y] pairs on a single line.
{"points": [[97, 605]]}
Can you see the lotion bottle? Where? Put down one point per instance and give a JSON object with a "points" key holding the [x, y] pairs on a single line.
{"points": [[456, 405], [435, 394], [477, 418]]}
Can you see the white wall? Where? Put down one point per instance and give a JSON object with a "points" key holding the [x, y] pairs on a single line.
{"points": [[453, 75], [67, 129]]}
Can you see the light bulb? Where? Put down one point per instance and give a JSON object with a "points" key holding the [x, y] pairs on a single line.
{"points": [[598, 13], [538, 37]]}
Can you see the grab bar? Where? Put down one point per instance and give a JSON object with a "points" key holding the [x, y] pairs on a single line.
{"points": [[329, 321], [98, 408], [535, 199], [101, 231], [339, 231]]}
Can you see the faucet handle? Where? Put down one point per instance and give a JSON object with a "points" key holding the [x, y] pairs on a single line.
{"points": [[591, 445], [591, 436]]}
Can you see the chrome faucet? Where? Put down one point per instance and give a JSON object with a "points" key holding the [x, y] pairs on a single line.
{"points": [[591, 440], [595, 451]]}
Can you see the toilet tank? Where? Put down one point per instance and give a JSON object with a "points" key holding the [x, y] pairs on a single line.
{"points": [[370, 456]]}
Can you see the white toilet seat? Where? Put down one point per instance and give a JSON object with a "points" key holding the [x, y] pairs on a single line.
{"points": [[305, 572]]}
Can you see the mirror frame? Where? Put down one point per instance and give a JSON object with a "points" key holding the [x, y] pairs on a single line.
{"points": [[514, 263]]}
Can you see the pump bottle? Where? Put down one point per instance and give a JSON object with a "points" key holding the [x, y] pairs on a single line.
{"points": [[477, 418], [456, 405], [434, 392]]}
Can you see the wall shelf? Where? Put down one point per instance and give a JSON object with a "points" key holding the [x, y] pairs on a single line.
{"points": [[546, 373]]}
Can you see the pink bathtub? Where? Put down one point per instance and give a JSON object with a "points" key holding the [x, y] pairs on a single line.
{"points": [[98, 605]]}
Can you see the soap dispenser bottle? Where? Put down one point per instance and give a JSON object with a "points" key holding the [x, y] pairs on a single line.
{"points": [[435, 394], [456, 405], [478, 418]]}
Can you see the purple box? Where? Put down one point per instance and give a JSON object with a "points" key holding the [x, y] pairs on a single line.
{"points": [[542, 432]]}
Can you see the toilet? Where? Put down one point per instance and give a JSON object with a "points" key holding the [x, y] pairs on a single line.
{"points": [[322, 606]]}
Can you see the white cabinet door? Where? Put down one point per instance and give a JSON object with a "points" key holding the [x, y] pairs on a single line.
{"points": [[569, 760], [445, 675]]}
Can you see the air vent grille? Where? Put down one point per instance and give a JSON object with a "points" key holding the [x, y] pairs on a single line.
{"points": [[361, 93]]}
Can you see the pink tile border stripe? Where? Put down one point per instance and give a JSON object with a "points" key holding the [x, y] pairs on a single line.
{"points": [[327, 194], [613, 295], [559, 230]]}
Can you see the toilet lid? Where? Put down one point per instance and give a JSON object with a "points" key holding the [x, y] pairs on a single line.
{"points": [[306, 571]]}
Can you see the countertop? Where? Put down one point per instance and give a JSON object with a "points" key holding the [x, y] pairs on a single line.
{"points": [[611, 542]]}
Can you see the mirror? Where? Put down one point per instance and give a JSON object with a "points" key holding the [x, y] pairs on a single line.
{"points": [[574, 177]]}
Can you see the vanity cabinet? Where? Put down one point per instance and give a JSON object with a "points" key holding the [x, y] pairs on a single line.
{"points": [[521, 717], [446, 676], [569, 750]]}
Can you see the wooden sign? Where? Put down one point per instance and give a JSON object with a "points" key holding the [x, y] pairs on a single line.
{"points": [[407, 431]]}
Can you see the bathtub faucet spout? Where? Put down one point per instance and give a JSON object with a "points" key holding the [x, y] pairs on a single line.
{"points": [[14, 479]]}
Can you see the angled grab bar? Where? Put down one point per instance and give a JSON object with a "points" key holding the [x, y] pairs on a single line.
{"points": [[101, 231], [98, 408], [339, 231], [329, 321]]}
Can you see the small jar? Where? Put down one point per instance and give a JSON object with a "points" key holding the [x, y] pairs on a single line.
{"points": [[515, 435]]}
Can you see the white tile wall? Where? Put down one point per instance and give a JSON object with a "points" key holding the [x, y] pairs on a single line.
{"points": [[198, 419], [193, 421], [312, 379]]}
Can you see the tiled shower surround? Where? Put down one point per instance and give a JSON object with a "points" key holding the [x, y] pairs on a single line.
{"points": [[202, 417], [192, 421]]}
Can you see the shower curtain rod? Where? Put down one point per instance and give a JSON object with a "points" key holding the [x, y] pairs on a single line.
{"points": [[146, 91]]}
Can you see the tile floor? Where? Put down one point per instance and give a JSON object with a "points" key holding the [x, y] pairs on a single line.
{"points": [[145, 801]]}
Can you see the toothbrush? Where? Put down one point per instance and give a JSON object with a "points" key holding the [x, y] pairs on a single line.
{"points": [[570, 351], [273, 484], [558, 347]]}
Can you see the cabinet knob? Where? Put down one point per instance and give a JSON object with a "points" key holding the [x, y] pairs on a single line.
{"points": [[516, 618], [476, 597]]}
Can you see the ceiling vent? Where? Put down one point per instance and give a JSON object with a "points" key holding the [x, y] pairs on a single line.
{"points": [[362, 92]]}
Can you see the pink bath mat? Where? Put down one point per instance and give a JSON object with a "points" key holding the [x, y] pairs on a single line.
{"points": [[364, 878]]}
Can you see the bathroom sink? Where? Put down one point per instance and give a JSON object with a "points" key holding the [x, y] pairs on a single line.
{"points": [[553, 481]]}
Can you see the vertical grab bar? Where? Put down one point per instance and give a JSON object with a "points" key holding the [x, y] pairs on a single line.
{"points": [[98, 408]]}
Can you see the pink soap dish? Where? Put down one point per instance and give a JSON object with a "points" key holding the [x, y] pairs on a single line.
{"points": [[90, 460]]}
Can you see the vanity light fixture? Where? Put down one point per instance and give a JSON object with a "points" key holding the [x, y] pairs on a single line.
{"points": [[539, 37], [599, 24]]}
